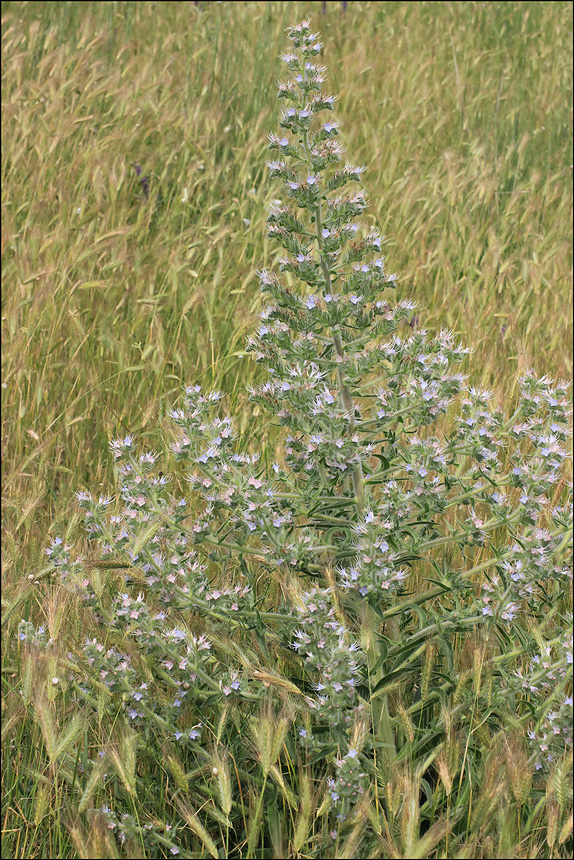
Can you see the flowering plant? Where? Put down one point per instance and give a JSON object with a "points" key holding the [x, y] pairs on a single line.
{"points": [[325, 592]]}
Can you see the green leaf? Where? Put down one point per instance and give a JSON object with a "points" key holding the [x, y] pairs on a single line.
{"points": [[428, 792], [322, 754], [448, 653], [262, 642], [383, 647], [406, 559], [444, 585], [391, 680], [422, 615]]}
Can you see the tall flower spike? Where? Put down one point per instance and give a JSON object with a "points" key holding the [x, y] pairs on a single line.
{"points": [[320, 342], [311, 340]]}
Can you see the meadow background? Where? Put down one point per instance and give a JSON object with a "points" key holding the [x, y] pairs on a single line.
{"points": [[118, 288]]}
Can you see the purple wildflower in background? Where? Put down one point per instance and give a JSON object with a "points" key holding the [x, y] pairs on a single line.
{"points": [[144, 180], [343, 6]]}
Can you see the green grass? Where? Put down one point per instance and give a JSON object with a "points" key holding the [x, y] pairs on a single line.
{"points": [[112, 300]]}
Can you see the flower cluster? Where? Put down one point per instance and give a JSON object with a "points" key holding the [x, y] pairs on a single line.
{"points": [[324, 643], [347, 786], [374, 569], [418, 381], [29, 634], [548, 680], [528, 569], [59, 554], [126, 827], [155, 702]]}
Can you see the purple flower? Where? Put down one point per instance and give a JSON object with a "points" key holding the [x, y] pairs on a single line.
{"points": [[144, 179]]}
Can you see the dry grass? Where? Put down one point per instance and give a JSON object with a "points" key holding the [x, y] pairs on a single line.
{"points": [[113, 298]]}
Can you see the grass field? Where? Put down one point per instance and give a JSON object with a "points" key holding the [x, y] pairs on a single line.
{"points": [[119, 288]]}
